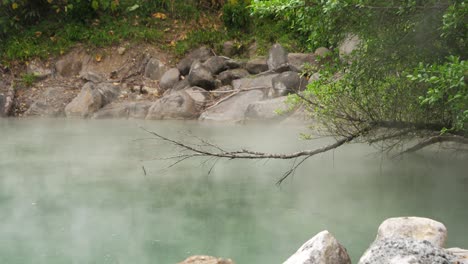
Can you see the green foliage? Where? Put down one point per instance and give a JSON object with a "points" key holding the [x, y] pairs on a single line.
{"points": [[211, 38], [447, 92], [236, 15], [28, 79]]}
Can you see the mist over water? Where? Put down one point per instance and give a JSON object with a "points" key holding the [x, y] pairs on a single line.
{"points": [[74, 191]]}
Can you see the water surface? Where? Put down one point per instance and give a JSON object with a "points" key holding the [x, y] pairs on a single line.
{"points": [[74, 191]]}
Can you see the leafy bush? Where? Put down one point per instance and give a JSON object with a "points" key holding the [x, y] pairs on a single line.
{"points": [[236, 15]]}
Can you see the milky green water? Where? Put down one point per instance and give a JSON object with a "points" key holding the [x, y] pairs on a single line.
{"points": [[74, 191]]}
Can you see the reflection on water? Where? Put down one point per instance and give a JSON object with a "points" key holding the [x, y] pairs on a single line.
{"points": [[74, 191]]}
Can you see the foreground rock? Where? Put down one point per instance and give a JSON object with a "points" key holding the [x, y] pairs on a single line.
{"points": [[169, 79], [405, 251], [417, 228], [134, 110], [176, 105], [51, 103], [321, 249], [91, 98], [268, 110], [461, 255], [206, 260], [201, 76], [277, 59], [232, 109]]}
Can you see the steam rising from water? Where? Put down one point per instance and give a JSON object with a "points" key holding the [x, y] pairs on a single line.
{"points": [[74, 192]]}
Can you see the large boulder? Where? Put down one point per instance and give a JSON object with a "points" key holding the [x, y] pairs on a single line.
{"points": [[201, 54], [199, 95], [155, 69], [263, 81], [321, 249], [51, 102], [256, 66], [397, 250], [348, 45], [273, 109], [88, 101], [287, 82], [417, 228], [134, 110], [232, 109], [277, 59], [176, 105], [201, 76], [216, 64], [180, 85], [206, 260], [298, 60], [226, 77], [169, 79], [109, 92]]}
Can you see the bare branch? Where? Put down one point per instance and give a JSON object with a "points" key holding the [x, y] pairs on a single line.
{"points": [[434, 140]]}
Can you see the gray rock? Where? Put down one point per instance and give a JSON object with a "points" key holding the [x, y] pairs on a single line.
{"points": [[87, 102], [226, 77], [109, 92], [201, 54], [234, 64], [155, 69], [169, 79], [348, 45], [229, 48], [176, 105], [417, 228], [314, 77], [277, 59], [405, 251], [234, 108], [51, 103], [298, 60], [260, 81], [256, 66], [461, 255], [199, 95], [321, 249], [67, 67], [216, 64], [2, 105], [206, 260], [201, 76], [38, 71], [91, 76], [273, 109], [180, 85], [322, 52], [287, 82], [134, 110]]}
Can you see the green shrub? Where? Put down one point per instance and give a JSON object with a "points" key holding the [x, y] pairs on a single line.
{"points": [[236, 15]]}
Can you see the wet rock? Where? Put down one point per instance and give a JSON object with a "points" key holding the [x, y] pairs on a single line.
{"points": [[321, 249], [277, 59], [201, 54], [273, 109], [169, 79], [256, 66], [233, 109], [201, 76], [134, 110], [322, 52], [416, 228], [264, 81], [39, 72], [91, 76], [108, 91], [397, 250], [51, 103], [287, 82], [216, 64], [155, 69], [226, 77], [348, 45], [88, 101], [298, 60], [206, 260], [68, 67], [176, 105]]}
